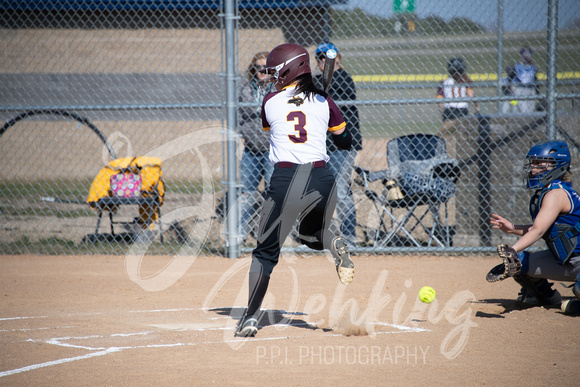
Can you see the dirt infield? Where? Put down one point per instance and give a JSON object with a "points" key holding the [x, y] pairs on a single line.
{"points": [[115, 320]]}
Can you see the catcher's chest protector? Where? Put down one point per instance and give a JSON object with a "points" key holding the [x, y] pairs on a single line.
{"points": [[562, 237]]}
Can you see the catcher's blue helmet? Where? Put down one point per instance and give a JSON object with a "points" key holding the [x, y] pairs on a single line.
{"points": [[552, 151]]}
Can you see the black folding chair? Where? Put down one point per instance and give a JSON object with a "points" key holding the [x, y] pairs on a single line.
{"points": [[421, 177]]}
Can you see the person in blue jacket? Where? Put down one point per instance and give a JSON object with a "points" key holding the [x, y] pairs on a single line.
{"points": [[341, 163], [525, 82]]}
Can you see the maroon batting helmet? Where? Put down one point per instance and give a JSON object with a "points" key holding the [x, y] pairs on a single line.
{"points": [[286, 62]]}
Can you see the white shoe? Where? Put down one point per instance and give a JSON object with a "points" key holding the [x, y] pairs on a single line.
{"points": [[344, 265], [247, 328]]}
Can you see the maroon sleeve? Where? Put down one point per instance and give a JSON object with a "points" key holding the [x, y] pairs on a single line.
{"points": [[440, 90], [336, 121], [265, 123]]}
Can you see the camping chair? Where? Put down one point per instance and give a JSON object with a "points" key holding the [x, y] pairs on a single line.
{"points": [[420, 174], [129, 181]]}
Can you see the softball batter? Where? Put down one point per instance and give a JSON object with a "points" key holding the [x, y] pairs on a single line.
{"points": [[298, 115]]}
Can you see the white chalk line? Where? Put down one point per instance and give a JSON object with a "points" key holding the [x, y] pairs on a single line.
{"points": [[106, 351], [20, 318], [59, 361], [403, 328], [130, 311], [241, 308], [131, 334], [38, 329], [101, 351]]}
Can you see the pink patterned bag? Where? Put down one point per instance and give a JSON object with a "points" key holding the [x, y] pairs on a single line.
{"points": [[126, 185]]}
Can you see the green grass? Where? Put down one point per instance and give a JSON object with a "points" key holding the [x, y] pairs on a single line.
{"points": [[386, 130], [76, 189], [49, 246], [357, 23], [57, 246], [425, 57], [189, 186], [21, 200], [46, 212]]}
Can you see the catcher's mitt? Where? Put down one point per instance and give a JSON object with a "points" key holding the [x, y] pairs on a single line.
{"points": [[511, 265]]}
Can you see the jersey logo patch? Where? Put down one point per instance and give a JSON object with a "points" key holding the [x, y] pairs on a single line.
{"points": [[296, 101]]}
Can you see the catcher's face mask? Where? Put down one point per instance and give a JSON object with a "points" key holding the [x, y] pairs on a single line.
{"points": [[536, 172]]}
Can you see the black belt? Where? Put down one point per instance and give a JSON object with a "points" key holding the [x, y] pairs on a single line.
{"points": [[286, 164]]}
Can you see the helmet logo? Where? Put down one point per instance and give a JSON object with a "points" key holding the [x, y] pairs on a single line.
{"points": [[291, 59], [281, 65]]}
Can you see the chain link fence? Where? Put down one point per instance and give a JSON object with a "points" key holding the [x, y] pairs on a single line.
{"points": [[90, 89]]}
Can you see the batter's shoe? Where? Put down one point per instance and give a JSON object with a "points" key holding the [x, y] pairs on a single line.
{"points": [[248, 327], [341, 255]]}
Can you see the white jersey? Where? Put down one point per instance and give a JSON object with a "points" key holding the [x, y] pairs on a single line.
{"points": [[298, 126], [451, 89]]}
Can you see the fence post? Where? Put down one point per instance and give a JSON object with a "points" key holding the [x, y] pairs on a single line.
{"points": [[231, 104], [552, 73], [499, 53], [483, 180]]}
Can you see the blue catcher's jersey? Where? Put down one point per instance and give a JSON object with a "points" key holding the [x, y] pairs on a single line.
{"points": [[572, 218], [525, 74]]}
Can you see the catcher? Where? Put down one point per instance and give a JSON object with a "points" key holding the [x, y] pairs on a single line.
{"points": [[555, 212]]}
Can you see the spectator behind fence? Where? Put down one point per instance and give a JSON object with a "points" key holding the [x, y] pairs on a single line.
{"points": [[255, 163], [526, 81], [507, 88], [455, 86], [341, 163]]}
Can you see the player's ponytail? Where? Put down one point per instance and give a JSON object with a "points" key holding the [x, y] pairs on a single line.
{"points": [[305, 84]]}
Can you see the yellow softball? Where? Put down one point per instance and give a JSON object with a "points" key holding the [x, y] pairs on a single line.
{"points": [[427, 294]]}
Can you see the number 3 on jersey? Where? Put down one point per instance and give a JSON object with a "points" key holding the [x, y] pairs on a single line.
{"points": [[299, 118]]}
